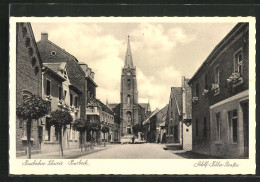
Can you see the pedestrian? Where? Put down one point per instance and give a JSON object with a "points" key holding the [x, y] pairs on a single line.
{"points": [[133, 139]]}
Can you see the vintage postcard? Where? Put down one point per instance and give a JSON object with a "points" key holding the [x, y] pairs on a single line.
{"points": [[137, 95]]}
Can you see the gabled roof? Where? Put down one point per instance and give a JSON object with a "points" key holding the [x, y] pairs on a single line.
{"points": [[112, 105], [105, 108], [57, 67], [63, 50], [93, 103], [164, 110], [153, 113], [146, 106], [53, 68], [177, 95]]}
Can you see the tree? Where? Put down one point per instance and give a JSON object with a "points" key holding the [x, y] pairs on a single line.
{"points": [[32, 108], [137, 128], [80, 125], [94, 127], [104, 130], [59, 119]]}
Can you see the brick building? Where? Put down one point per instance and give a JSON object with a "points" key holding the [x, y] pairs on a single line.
{"points": [[153, 125], [220, 98], [178, 122], [107, 118], [28, 78]]}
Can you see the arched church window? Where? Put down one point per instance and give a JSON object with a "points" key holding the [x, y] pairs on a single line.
{"points": [[129, 117], [128, 84], [128, 100]]}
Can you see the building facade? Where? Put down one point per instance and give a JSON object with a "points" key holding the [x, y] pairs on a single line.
{"points": [[28, 78], [178, 122], [220, 98]]}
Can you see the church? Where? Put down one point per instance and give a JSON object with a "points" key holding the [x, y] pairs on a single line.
{"points": [[130, 111]]}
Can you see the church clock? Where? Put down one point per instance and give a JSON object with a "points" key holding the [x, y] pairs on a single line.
{"points": [[128, 73]]}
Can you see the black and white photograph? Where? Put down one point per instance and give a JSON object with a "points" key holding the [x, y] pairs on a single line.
{"points": [[169, 90]]}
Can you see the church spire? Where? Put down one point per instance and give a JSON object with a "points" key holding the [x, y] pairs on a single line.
{"points": [[128, 56]]}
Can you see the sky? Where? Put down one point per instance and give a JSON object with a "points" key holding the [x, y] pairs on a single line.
{"points": [[162, 53]]}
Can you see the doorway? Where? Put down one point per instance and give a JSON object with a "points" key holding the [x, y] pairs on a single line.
{"points": [[245, 108]]}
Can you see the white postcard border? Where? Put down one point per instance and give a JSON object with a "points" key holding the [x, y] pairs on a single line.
{"points": [[130, 166]]}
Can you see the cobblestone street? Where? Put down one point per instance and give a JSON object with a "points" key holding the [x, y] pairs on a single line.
{"points": [[134, 151]]}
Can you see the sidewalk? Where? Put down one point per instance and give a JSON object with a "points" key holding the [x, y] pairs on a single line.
{"points": [[69, 154]]}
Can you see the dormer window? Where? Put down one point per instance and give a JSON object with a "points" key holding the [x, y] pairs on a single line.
{"points": [[53, 53]]}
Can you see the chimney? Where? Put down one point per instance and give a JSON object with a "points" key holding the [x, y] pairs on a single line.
{"points": [[44, 36]]}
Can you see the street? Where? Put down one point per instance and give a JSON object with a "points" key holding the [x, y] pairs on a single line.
{"points": [[134, 151]]}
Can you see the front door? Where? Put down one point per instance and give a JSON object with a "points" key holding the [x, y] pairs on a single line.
{"points": [[128, 130], [246, 128]]}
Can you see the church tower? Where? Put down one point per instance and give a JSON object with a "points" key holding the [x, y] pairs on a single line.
{"points": [[129, 94]]}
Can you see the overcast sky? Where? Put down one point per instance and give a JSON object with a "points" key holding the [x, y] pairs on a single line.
{"points": [[162, 53]]}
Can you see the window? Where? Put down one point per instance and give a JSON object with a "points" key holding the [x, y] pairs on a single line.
{"points": [[205, 127], [76, 102], [48, 87], [233, 125], [171, 130], [128, 100], [48, 129], [128, 84], [206, 81], [197, 127], [218, 136], [238, 62], [197, 90], [71, 99], [60, 93], [216, 73]]}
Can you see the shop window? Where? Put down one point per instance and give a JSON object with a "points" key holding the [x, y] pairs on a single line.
{"points": [[218, 123]]}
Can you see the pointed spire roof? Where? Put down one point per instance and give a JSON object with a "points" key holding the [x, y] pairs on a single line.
{"points": [[128, 56]]}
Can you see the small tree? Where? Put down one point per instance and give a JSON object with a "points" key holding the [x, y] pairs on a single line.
{"points": [[137, 128], [104, 130], [94, 127], [32, 108], [80, 125], [59, 119]]}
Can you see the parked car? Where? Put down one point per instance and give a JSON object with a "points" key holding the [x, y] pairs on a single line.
{"points": [[137, 140], [126, 139]]}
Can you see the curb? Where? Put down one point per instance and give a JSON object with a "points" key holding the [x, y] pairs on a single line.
{"points": [[82, 154]]}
